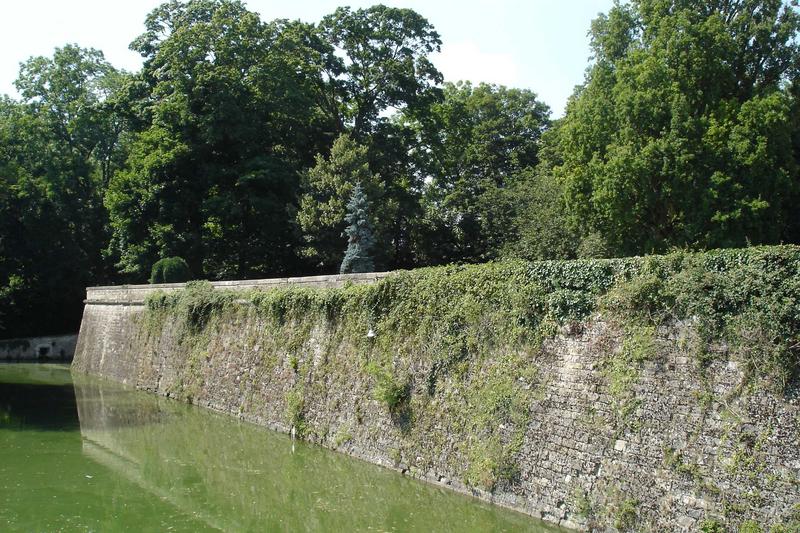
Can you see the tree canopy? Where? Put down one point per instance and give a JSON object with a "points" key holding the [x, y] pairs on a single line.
{"points": [[240, 144], [385, 63], [684, 133], [58, 146], [229, 119], [479, 140]]}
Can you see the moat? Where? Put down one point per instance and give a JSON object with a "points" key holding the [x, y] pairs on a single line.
{"points": [[82, 454]]}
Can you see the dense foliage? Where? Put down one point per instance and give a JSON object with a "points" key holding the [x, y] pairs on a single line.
{"points": [[686, 131], [481, 143], [238, 144], [328, 186], [224, 117], [58, 149]]}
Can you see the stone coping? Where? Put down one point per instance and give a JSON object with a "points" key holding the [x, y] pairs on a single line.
{"points": [[136, 294]]}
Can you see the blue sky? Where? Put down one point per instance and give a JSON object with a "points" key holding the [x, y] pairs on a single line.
{"points": [[535, 44]]}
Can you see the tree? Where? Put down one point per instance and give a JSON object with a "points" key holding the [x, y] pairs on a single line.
{"points": [[327, 186], [377, 63], [72, 91], [68, 97], [479, 140], [227, 106], [397, 157], [357, 257], [540, 228], [385, 64], [682, 133], [57, 148]]}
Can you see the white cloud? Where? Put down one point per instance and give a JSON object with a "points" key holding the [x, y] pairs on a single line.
{"points": [[466, 61]]}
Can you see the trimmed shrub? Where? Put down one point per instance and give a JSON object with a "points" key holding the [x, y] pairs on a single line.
{"points": [[170, 270]]}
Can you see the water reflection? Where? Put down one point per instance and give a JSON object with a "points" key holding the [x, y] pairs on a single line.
{"points": [[107, 458], [36, 397], [236, 477]]}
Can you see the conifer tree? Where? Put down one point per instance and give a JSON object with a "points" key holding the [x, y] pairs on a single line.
{"points": [[360, 239]]}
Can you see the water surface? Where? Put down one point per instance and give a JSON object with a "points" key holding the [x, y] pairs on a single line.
{"points": [[90, 455]]}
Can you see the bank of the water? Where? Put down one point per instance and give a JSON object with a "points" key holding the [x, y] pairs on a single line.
{"points": [[96, 456]]}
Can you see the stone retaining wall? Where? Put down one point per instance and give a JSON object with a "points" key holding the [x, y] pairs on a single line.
{"points": [[693, 447]]}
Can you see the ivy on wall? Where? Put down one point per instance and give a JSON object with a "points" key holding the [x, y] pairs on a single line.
{"points": [[458, 345]]}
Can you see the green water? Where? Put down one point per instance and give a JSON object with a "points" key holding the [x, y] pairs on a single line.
{"points": [[87, 455]]}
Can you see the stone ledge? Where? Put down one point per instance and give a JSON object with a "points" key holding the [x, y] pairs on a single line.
{"points": [[136, 294]]}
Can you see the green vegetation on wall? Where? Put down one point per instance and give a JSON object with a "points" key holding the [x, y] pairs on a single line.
{"points": [[461, 346]]}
